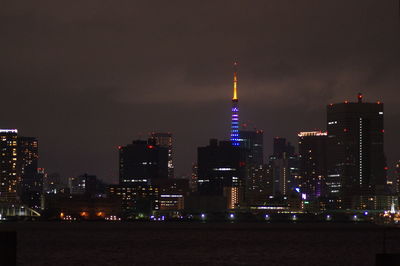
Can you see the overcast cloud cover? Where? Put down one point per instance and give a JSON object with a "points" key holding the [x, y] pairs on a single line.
{"points": [[86, 76]]}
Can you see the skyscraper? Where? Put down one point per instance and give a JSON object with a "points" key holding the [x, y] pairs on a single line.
{"points": [[142, 161], [284, 167], [31, 181], [222, 171], [9, 179], [312, 163], [356, 160], [235, 110], [253, 141], [165, 140]]}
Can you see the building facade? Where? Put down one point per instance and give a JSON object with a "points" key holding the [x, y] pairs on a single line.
{"points": [[165, 140], [142, 161], [356, 161], [222, 170], [31, 186], [312, 163], [9, 174], [284, 166]]}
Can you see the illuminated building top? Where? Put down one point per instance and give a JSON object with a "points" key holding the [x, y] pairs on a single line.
{"points": [[9, 131], [235, 81], [312, 134]]}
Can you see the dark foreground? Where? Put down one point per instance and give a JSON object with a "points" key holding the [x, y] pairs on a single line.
{"points": [[97, 243]]}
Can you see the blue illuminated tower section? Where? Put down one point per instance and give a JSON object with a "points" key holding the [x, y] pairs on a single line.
{"points": [[235, 110]]}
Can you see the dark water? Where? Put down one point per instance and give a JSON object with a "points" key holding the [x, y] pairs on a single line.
{"points": [[96, 243]]}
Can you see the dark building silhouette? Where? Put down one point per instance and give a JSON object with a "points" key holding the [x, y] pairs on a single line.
{"points": [[31, 185], [222, 171], [52, 183], [141, 165], [165, 140], [85, 184], [356, 160], [142, 161], [281, 147], [312, 163], [253, 141]]}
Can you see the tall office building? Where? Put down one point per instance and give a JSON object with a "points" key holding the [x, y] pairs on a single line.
{"points": [[284, 167], [235, 139], [9, 179], [356, 160], [165, 140], [222, 171], [142, 161], [312, 163], [251, 141], [31, 185]]}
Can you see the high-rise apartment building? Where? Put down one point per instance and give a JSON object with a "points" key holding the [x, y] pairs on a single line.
{"points": [[9, 178], [31, 185], [356, 161]]}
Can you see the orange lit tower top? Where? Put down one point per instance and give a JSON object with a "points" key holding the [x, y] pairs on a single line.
{"points": [[235, 81]]}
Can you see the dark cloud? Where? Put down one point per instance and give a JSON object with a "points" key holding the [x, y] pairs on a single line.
{"points": [[87, 76]]}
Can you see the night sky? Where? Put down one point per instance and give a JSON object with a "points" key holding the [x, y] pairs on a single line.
{"points": [[86, 76]]}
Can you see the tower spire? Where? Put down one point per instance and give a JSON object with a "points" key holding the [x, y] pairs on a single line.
{"points": [[235, 81]]}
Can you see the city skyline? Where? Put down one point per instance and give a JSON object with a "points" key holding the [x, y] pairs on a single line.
{"points": [[89, 96]]}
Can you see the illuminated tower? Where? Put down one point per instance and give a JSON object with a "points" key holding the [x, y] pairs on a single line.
{"points": [[235, 110]]}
